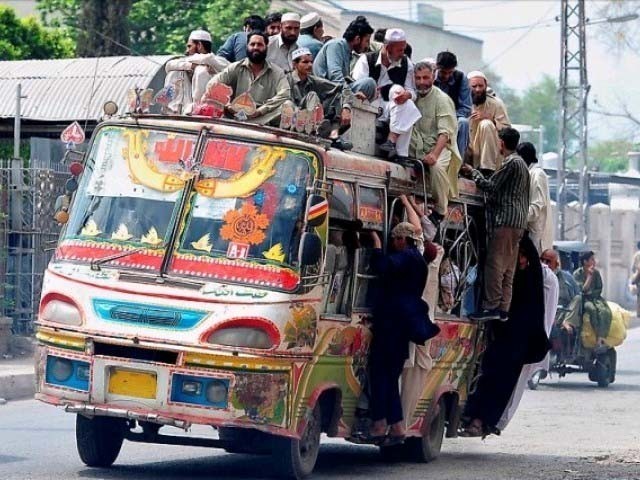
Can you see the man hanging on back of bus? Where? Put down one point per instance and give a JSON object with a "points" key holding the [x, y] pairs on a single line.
{"points": [[265, 83], [507, 193]]}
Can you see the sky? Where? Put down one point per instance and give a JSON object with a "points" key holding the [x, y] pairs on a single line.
{"points": [[522, 42]]}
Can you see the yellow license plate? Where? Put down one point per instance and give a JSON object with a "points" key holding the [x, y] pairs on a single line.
{"points": [[132, 383]]}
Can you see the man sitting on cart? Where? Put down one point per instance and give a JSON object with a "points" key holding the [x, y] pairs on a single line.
{"points": [[594, 306]]}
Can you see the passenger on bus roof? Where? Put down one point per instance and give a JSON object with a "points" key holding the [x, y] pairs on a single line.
{"points": [[433, 138], [266, 83], [400, 316], [273, 23], [311, 33], [393, 73], [234, 48], [488, 117], [507, 208], [454, 83], [193, 71], [304, 85], [333, 59], [282, 45]]}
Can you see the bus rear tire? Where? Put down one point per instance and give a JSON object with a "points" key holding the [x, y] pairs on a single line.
{"points": [[295, 459], [427, 448], [99, 440]]}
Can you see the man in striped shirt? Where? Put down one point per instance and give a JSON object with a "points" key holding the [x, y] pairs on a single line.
{"points": [[507, 198]]}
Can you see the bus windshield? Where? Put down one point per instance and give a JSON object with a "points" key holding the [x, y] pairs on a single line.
{"points": [[240, 222]]}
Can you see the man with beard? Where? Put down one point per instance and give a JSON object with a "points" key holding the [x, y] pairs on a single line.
{"points": [[433, 138], [311, 33], [333, 59], [282, 46], [488, 117], [391, 68], [266, 83], [454, 83], [193, 71], [234, 48], [273, 23]]}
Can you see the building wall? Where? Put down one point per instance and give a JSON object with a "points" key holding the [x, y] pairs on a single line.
{"points": [[426, 41]]}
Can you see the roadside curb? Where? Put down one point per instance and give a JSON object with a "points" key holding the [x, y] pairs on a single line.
{"points": [[19, 386]]}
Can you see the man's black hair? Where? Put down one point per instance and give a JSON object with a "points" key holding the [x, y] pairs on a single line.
{"points": [[357, 28], [260, 33], [510, 137], [408, 50], [256, 22], [273, 17], [528, 152], [586, 256], [309, 30], [205, 44], [379, 35], [446, 60]]}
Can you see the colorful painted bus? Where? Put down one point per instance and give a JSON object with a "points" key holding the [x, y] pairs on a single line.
{"points": [[203, 278]]}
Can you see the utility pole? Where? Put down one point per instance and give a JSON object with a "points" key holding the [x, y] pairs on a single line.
{"points": [[17, 122], [574, 89]]}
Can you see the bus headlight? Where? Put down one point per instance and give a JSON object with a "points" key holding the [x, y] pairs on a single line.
{"points": [[217, 392], [62, 369], [247, 337], [59, 311]]}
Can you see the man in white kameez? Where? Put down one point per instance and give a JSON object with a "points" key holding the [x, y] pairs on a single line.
{"points": [[190, 74], [551, 291], [393, 72]]}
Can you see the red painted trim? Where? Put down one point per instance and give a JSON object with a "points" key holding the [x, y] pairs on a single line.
{"points": [[63, 298], [173, 297]]}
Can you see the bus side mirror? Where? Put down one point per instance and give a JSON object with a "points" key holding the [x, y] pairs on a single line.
{"points": [[310, 249], [317, 209]]}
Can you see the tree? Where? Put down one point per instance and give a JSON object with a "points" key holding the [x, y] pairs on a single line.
{"points": [[610, 155], [103, 28], [162, 26], [539, 105], [23, 39]]}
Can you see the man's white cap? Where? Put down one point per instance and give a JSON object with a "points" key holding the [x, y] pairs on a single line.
{"points": [[476, 73], [394, 35], [200, 36], [290, 17], [309, 20], [300, 52]]}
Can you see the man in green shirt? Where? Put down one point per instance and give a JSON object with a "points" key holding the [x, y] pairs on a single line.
{"points": [[433, 140], [266, 83]]}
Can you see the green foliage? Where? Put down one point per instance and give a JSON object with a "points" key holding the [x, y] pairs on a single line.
{"points": [[539, 105], [162, 26], [610, 155], [23, 39]]}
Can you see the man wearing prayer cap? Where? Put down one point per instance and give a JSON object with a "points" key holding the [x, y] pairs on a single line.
{"points": [[392, 68], [311, 33], [488, 117], [304, 86], [189, 74], [282, 46]]}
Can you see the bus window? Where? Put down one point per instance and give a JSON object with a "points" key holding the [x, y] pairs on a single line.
{"points": [[371, 208], [342, 202]]}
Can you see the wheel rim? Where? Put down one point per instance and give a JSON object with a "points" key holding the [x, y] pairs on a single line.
{"points": [[436, 427], [310, 441]]}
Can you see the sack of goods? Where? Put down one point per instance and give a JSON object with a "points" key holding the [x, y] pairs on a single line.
{"points": [[620, 320]]}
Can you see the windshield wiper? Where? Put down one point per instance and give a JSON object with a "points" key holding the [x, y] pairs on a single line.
{"points": [[95, 264]]}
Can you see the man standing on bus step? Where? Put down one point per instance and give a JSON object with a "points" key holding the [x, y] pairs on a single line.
{"points": [[333, 59], [540, 223], [433, 138], [281, 46], [454, 83], [266, 83], [391, 68], [488, 117], [507, 193]]}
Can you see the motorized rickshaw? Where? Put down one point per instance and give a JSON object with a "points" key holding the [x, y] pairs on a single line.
{"points": [[568, 353]]}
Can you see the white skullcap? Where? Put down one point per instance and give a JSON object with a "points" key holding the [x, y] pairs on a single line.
{"points": [[394, 35], [476, 73], [300, 52], [200, 36], [309, 20], [290, 17]]}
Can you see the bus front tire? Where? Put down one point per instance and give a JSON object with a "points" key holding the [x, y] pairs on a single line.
{"points": [[294, 458], [99, 439]]}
